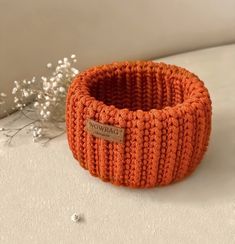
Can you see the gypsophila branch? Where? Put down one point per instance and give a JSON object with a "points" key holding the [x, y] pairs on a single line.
{"points": [[48, 96], [17, 130]]}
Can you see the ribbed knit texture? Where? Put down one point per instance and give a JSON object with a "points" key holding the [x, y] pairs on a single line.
{"points": [[166, 113]]}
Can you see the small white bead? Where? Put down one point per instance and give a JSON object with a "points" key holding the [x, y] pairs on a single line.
{"points": [[75, 218], [3, 94], [73, 56], [36, 104]]}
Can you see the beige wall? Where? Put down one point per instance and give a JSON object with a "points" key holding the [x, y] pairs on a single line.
{"points": [[35, 32]]}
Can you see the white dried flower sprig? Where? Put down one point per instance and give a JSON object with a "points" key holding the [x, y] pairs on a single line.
{"points": [[2, 101], [47, 111], [2, 96]]}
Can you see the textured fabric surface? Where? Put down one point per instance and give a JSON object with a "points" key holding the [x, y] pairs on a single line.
{"points": [[165, 111], [41, 187]]}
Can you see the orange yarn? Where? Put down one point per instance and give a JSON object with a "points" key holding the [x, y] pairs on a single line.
{"points": [[164, 109]]}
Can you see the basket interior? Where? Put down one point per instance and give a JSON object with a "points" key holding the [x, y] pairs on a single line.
{"points": [[138, 88]]}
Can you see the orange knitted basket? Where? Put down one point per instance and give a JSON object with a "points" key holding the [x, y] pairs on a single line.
{"points": [[151, 122]]}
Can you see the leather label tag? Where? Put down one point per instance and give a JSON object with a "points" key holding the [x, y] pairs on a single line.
{"points": [[104, 131]]}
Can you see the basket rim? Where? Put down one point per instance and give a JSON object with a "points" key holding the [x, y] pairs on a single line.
{"points": [[190, 102]]}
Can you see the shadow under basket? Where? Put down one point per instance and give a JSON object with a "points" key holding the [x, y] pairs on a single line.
{"points": [[138, 124]]}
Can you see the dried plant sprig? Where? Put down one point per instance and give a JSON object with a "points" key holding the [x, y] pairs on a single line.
{"points": [[47, 111], [2, 96], [2, 102]]}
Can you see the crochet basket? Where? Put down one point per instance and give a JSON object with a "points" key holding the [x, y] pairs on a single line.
{"points": [[138, 124]]}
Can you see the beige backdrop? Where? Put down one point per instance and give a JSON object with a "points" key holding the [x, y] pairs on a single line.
{"points": [[35, 32]]}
